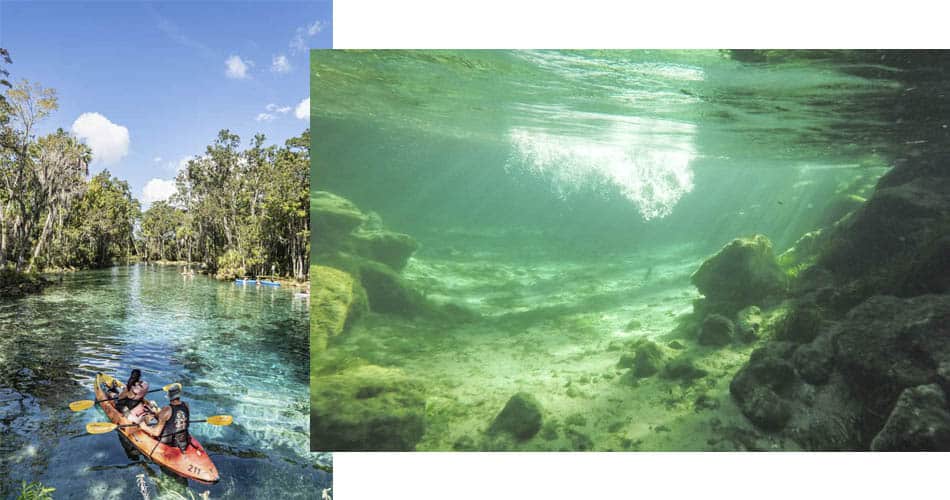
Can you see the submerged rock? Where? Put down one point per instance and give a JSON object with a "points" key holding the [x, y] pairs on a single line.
{"points": [[717, 330], [744, 272], [887, 344], [760, 388], [388, 293], [392, 249], [920, 422], [337, 300], [683, 369], [521, 417], [646, 360], [368, 407], [899, 226], [333, 216], [801, 325], [748, 324]]}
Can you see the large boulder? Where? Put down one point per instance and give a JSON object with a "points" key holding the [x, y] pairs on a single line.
{"points": [[920, 422], [744, 272], [392, 249], [337, 300], [899, 226], [364, 408], [520, 418], [332, 216], [887, 344]]}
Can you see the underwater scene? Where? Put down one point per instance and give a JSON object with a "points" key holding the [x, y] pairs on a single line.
{"points": [[630, 250]]}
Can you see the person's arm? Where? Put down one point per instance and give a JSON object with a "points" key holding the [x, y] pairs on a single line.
{"points": [[156, 430]]}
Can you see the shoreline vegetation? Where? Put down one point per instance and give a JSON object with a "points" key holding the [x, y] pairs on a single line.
{"points": [[235, 212]]}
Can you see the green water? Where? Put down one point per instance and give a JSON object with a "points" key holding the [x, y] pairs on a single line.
{"points": [[238, 350], [565, 198]]}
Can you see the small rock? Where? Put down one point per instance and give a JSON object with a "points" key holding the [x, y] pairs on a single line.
{"points": [[748, 323], [682, 368], [633, 325], [521, 417], [717, 330]]}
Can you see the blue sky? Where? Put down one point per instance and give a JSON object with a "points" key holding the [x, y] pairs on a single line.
{"points": [[171, 73]]}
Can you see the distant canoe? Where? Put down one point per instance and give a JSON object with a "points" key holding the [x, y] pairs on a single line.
{"points": [[269, 283], [244, 282]]}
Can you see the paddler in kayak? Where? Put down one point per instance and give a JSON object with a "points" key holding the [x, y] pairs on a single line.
{"points": [[131, 400], [172, 425]]}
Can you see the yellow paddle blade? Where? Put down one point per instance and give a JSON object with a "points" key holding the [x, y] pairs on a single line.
{"points": [[169, 386], [220, 419], [107, 379], [100, 427], [81, 405]]}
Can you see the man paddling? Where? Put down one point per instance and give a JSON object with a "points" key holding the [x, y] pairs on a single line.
{"points": [[172, 425]]}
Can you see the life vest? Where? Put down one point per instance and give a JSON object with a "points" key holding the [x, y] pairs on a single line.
{"points": [[175, 431]]}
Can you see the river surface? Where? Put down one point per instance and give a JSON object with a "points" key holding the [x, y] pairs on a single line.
{"points": [[237, 350]]}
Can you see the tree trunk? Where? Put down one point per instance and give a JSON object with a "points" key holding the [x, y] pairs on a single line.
{"points": [[41, 241], [3, 236]]}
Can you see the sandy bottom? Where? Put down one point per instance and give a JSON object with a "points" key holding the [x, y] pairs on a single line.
{"points": [[556, 329]]}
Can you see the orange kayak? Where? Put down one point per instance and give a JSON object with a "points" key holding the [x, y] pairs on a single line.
{"points": [[194, 463]]}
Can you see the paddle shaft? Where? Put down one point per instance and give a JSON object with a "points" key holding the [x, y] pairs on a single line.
{"points": [[117, 397]]}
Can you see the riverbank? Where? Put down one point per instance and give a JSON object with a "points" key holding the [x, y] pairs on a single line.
{"points": [[15, 284]]}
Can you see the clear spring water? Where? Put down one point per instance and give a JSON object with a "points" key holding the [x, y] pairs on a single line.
{"points": [[238, 350], [566, 196]]}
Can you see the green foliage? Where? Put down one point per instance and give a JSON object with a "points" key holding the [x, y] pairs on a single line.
{"points": [[241, 211], [35, 491]]}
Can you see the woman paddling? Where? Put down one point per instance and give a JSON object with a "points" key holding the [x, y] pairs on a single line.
{"points": [[131, 401]]}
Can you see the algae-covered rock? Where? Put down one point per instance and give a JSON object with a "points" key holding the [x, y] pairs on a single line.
{"points": [[748, 324], [717, 331], [337, 300], [887, 344], [387, 291], [646, 360], [392, 249], [839, 207], [744, 272], [814, 361], [366, 407], [920, 422], [521, 417], [886, 237], [760, 388], [800, 325], [682, 369], [332, 216]]}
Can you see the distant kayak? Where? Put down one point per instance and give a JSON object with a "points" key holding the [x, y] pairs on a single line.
{"points": [[245, 282], [269, 283]]}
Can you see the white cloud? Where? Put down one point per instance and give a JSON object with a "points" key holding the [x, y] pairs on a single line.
{"points": [[177, 166], [264, 117], [157, 159], [280, 64], [303, 109], [299, 42], [109, 142], [315, 28], [237, 68], [158, 190], [273, 108]]}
